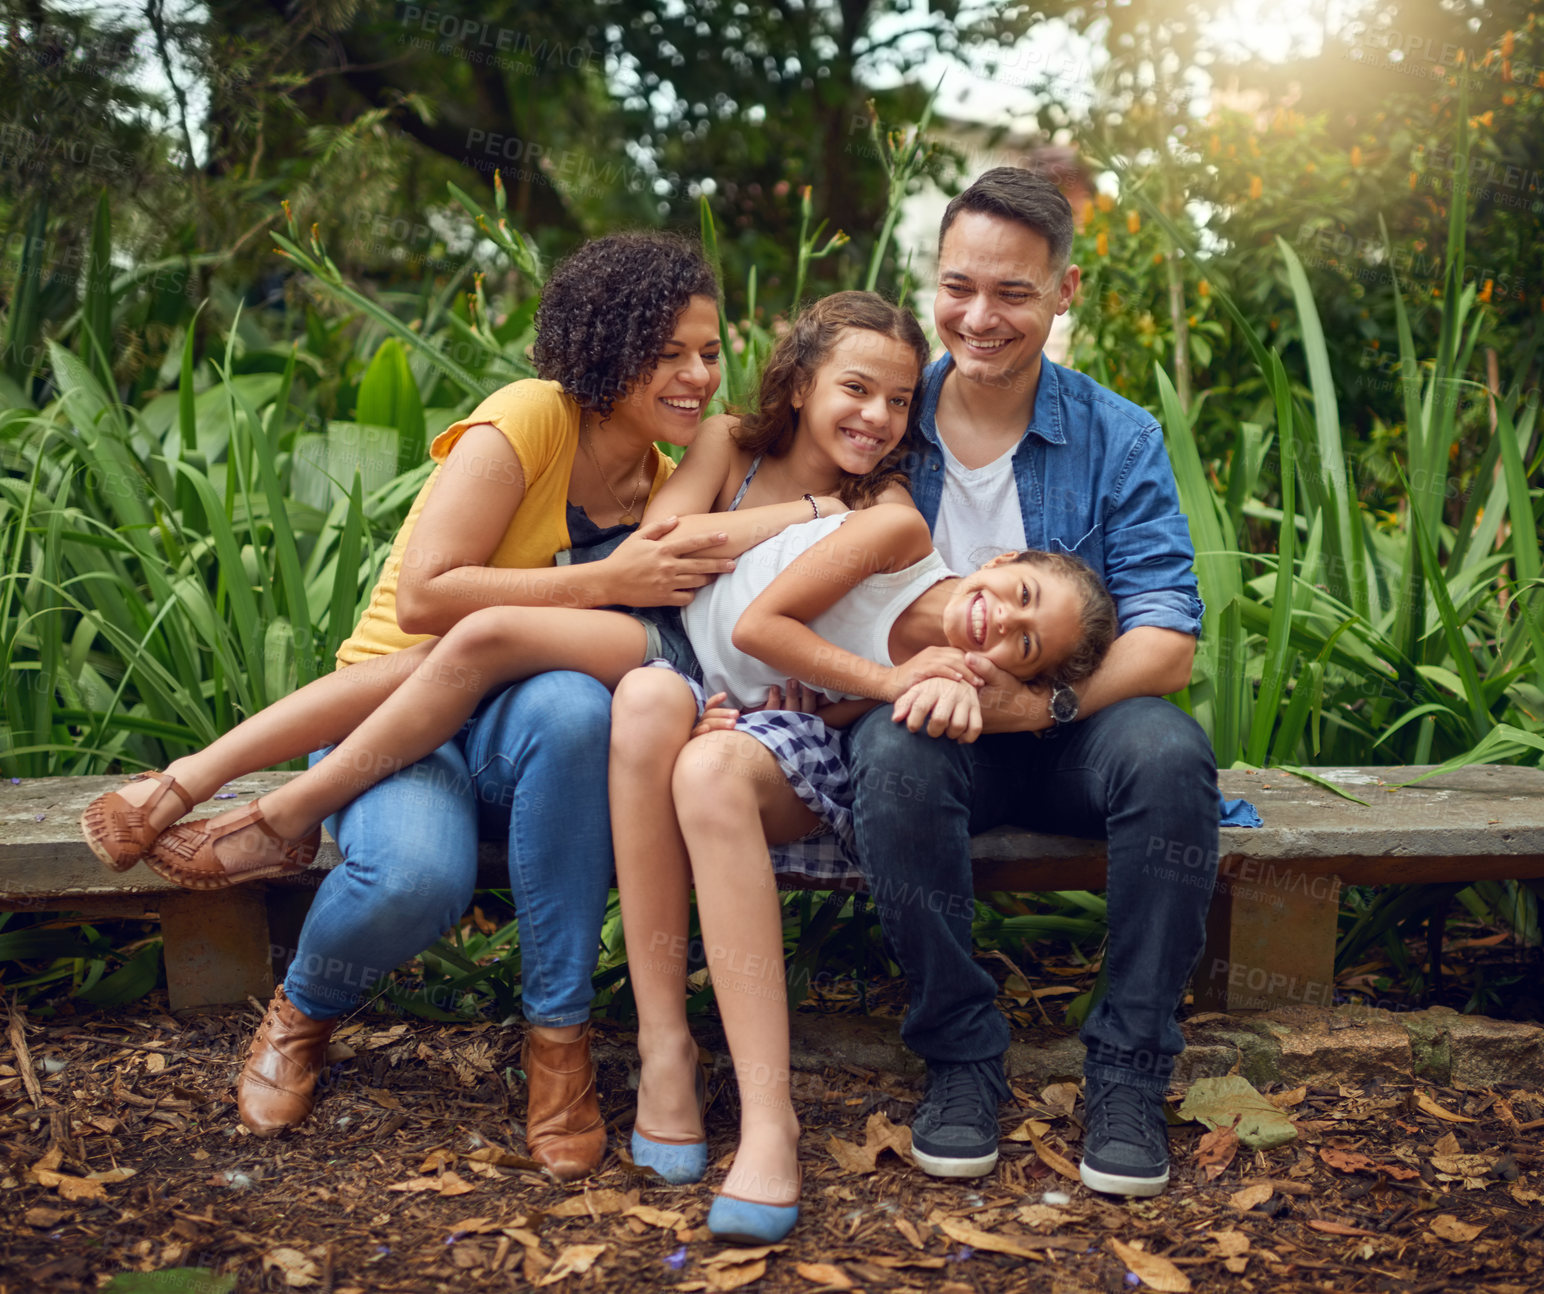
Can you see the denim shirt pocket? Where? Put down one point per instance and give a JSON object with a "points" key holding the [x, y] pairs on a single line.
{"points": [[1090, 549]]}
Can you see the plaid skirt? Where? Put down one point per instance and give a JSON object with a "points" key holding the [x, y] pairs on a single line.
{"points": [[813, 758]]}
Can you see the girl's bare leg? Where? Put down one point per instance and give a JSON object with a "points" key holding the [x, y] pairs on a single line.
{"points": [[320, 713], [732, 798], [651, 720], [481, 653]]}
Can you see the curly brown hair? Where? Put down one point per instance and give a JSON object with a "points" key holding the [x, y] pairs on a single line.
{"points": [[1096, 611], [791, 369], [609, 308]]}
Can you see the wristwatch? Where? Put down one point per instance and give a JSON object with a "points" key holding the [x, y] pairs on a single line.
{"points": [[1064, 704]]}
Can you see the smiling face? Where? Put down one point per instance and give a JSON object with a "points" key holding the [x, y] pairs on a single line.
{"points": [[998, 291], [667, 404], [1025, 619], [855, 408]]}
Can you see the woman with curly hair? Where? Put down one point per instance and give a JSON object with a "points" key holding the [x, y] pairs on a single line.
{"points": [[628, 352]]}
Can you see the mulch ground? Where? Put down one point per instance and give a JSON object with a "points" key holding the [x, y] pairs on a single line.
{"points": [[123, 1154]]}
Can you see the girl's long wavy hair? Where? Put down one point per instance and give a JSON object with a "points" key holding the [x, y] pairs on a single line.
{"points": [[790, 371]]}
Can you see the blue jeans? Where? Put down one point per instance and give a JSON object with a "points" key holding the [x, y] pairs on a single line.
{"points": [[529, 767], [1140, 773]]}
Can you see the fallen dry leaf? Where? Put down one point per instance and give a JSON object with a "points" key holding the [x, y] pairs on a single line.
{"points": [[827, 1274], [1446, 1227], [1286, 1100], [976, 1238], [1029, 1128], [1447, 1144], [44, 1218], [383, 1098], [1337, 1228], [655, 1217], [1154, 1271], [1251, 1196], [879, 1135], [436, 1160], [1346, 1161], [1230, 1244], [1424, 1102], [1055, 1162], [445, 1184], [731, 1278], [737, 1257], [1215, 1151], [591, 1204], [909, 1230], [1061, 1097], [298, 1270], [497, 1155], [572, 1261], [1522, 1194], [895, 1264]]}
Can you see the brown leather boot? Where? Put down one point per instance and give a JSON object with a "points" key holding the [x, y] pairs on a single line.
{"points": [[277, 1087], [564, 1132]]}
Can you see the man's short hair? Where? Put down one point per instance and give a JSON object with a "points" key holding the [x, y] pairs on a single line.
{"points": [[1025, 197]]}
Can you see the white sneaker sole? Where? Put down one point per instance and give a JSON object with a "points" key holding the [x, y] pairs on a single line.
{"points": [[1110, 1184], [934, 1166]]}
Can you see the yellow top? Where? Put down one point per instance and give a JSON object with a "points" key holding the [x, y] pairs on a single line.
{"points": [[542, 427]]}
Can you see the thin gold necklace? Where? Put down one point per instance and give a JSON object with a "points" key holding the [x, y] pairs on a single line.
{"points": [[629, 518]]}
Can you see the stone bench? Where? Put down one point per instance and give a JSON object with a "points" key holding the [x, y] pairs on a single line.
{"points": [[1270, 933]]}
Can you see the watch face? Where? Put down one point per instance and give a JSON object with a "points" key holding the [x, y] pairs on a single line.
{"points": [[1064, 705]]}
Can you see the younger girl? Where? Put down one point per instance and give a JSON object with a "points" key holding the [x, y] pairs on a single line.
{"points": [[835, 603]]}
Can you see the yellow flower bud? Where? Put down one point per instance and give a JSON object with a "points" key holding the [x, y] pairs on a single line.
{"points": [[1133, 222], [1105, 203], [1256, 186], [1356, 155], [1205, 288], [1508, 44], [1102, 244]]}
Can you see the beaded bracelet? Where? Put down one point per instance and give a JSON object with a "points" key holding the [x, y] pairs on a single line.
{"points": [[814, 507]]}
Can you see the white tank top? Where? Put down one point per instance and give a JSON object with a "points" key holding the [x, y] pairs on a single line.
{"points": [[860, 622]]}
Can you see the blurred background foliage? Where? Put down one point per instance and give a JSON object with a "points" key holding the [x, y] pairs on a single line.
{"points": [[255, 254]]}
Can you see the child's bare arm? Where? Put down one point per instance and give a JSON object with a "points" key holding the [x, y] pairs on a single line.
{"points": [[775, 627]]}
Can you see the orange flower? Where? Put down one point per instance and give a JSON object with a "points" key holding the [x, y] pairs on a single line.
{"points": [[1102, 244], [1509, 99], [1105, 203], [1356, 155], [1310, 168], [1414, 179], [1485, 291], [1215, 146], [1256, 186], [1205, 289], [1133, 222], [1508, 44], [1157, 258]]}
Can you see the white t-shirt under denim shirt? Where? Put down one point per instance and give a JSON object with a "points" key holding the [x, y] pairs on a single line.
{"points": [[860, 621], [979, 516]]}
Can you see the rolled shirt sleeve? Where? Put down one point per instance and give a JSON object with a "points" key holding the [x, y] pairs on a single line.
{"points": [[1149, 562]]}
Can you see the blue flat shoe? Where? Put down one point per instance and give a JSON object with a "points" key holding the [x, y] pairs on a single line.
{"points": [[679, 1163], [745, 1222]]}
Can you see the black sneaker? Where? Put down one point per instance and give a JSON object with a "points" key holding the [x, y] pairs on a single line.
{"points": [[1126, 1145], [955, 1131]]}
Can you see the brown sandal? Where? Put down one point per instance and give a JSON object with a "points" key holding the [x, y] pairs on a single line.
{"points": [[186, 853], [119, 833]]}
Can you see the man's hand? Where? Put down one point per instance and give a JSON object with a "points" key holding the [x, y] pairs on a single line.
{"points": [[1007, 704], [948, 708]]}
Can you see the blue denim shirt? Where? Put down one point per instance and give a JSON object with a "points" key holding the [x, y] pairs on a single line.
{"points": [[1094, 479]]}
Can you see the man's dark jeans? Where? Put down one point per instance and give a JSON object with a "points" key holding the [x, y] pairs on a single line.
{"points": [[1140, 773]]}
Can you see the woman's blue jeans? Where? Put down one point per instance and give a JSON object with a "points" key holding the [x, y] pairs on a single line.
{"points": [[529, 767]]}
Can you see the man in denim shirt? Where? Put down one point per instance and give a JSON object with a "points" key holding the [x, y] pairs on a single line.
{"points": [[1018, 452]]}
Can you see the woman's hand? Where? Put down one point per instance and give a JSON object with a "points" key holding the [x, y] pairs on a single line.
{"points": [[797, 696], [716, 716], [650, 570], [931, 662], [948, 709]]}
